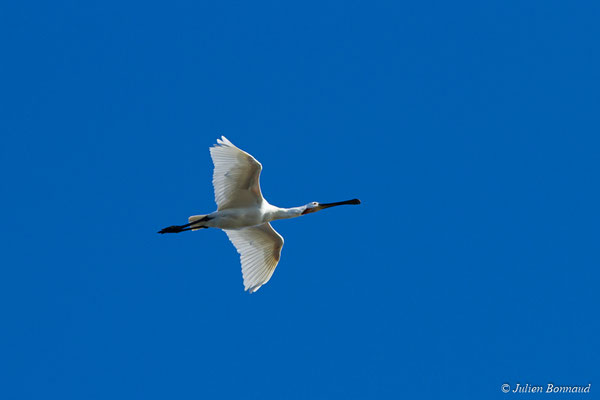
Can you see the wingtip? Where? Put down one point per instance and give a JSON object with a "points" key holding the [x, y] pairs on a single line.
{"points": [[252, 289], [223, 141]]}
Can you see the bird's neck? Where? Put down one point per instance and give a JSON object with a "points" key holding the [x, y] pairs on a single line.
{"points": [[283, 213]]}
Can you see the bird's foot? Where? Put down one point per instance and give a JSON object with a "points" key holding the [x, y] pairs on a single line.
{"points": [[171, 229]]}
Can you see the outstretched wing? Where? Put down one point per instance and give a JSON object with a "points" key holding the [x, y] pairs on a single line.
{"points": [[236, 176], [260, 248]]}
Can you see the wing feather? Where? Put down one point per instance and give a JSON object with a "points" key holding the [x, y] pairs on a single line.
{"points": [[236, 177], [260, 249]]}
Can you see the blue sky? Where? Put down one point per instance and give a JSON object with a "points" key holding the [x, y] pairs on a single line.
{"points": [[469, 130]]}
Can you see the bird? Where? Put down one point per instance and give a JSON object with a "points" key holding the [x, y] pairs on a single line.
{"points": [[245, 215]]}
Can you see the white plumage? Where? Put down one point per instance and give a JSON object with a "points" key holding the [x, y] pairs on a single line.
{"points": [[235, 177], [244, 214], [260, 248]]}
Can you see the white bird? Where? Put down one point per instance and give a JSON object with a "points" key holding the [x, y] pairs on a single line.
{"points": [[245, 215]]}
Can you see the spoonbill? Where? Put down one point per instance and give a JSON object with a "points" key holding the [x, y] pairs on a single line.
{"points": [[245, 215]]}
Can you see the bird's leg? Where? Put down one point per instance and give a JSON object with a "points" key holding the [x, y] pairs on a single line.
{"points": [[171, 229], [195, 222], [182, 228], [194, 227]]}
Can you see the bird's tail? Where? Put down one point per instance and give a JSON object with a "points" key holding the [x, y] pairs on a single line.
{"points": [[196, 218]]}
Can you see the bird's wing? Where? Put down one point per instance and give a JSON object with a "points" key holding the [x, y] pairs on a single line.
{"points": [[236, 176], [260, 248]]}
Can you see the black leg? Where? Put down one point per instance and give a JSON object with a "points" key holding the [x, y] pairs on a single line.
{"points": [[195, 222], [194, 227], [182, 228], [171, 229]]}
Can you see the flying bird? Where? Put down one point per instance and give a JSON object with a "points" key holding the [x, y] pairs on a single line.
{"points": [[245, 215]]}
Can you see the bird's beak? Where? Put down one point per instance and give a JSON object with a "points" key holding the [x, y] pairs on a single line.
{"points": [[323, 206], [339, 203]]}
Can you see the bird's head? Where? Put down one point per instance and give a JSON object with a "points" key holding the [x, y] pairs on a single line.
{"points": [[316, 206]]}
